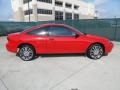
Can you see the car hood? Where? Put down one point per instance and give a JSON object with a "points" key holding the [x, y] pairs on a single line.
{"points": [[96, 38]]}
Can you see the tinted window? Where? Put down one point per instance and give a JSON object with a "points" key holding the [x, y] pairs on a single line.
{"points": [[60, 31], [68, 16], [44, 11], [40, 31], [68, 5], [47, 1], [26, 1], [58, 15], [28, 12], [76, 16], [76, 7], [58, 3]]}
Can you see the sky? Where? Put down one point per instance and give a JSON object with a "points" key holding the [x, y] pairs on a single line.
{"points": [[5, 10], [105, 8]]}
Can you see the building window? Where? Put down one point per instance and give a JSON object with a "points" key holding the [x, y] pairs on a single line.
{"points": [[58, 15], [47, 1], [68, 16], [44, 11], [28, 12], [58, 3], [67, 5], [26, 1], [76, 16], [76, 7]]}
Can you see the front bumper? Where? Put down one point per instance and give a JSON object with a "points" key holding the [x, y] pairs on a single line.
{"points": [[109, 47]]}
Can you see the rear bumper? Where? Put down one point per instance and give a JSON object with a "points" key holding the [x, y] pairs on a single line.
{"points": [[11, 48]]}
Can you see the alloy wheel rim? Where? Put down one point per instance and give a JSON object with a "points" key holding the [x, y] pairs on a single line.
{"points": [[26, 53], [96, 52]]}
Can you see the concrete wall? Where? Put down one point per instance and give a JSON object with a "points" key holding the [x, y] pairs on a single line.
{"points": [[86, 16], [45, 17], [18, 15]]}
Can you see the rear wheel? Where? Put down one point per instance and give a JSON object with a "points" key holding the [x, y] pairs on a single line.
{"points": [[95, 51], [26, 52]]}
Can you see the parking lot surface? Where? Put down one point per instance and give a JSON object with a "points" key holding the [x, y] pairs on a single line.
{"points": [[51, 72]]}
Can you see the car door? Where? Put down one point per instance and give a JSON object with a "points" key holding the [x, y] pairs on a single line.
{"points": [[62, 40]]}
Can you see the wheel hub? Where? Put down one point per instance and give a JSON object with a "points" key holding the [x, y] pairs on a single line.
{"points": [[26, 53], [96, 52]]}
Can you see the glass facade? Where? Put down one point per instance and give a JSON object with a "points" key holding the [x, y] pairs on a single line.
{"points": [[76, 16], [44, 11], [47, 1], [58, 15], [68, 16], [67, 5], [28, 12], [26, 1], [76, 7], [58, 3]]}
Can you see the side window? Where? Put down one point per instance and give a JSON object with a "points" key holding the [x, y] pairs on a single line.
{"points": [[60, 31], [40, 31]]}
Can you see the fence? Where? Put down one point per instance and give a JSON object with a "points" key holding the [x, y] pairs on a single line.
{"points": [[109, 28]]}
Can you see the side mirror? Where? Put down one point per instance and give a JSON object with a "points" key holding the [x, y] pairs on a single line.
{"points": [[76, 35]]}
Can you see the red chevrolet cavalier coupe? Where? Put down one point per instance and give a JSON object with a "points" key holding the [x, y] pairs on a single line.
{"points": [[56, 39]]}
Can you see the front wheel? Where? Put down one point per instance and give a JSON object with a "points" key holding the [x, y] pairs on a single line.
{"points": [[26, 52], [95, 51]]}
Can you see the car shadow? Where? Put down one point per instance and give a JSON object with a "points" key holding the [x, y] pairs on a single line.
{"points": [[60, 55]]}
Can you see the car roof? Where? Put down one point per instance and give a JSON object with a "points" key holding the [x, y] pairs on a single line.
{"points": [[47, 25], [50, 24]]}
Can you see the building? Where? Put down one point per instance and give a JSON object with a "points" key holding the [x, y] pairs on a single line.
{"points": [[46, 10]]}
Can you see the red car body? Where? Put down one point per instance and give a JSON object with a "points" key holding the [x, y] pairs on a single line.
{"points": [[56, 44]]}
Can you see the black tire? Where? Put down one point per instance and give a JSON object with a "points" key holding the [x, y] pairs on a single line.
{"points": [[26, 52], [95, 51]]}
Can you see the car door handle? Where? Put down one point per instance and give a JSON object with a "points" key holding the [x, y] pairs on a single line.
{"points": [[51, 39]]}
